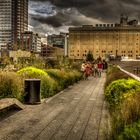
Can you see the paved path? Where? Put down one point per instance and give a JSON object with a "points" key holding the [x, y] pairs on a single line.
{"points": [[77, 113]]}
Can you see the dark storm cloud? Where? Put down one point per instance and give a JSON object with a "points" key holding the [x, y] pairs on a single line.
{"points": [[78, 12], [55, 21], [69, 3]]}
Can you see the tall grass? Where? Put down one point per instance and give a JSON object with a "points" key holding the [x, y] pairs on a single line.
{"points": [[64, 78], [126, 121], [114, 73], [52, 80], [11, 85], [123, 97]]}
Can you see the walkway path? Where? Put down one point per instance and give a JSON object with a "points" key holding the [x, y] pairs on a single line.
{"points": [[77, 113]]}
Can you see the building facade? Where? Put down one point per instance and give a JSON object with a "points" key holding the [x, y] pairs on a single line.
{"points": [[119, 40], [30, 42], [13, 21], [51, 52], [46, 50], [56, 40]]}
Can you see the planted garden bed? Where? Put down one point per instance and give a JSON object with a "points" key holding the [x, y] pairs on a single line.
{"points": [[123, 96], [52, 81]]}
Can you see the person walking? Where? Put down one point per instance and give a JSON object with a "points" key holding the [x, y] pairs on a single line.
{"points": [[100, 68], [83, 67], [88, 71], [95, 69]]}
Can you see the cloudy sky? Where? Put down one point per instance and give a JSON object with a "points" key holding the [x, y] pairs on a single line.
{"points": [[54, 16]]}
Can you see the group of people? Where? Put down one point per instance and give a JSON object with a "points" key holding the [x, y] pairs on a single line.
{"points": [[93, 69]]}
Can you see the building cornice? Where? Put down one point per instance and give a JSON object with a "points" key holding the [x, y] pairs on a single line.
{"points": [[100, 29]]}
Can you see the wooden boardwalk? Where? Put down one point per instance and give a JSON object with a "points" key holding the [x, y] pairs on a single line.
{"points": [[77, 113]]}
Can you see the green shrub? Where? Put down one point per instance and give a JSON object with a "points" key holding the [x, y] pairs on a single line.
{"points": [[49, 86], [11, 86], [31, 72], [52, 80], [116, 92], [123, 97]]}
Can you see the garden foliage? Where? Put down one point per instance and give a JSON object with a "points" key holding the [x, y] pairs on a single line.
{"points": [[11, 86], [114, 73], [123, 97], [120, 89], [52, 80], [126, 120], [64, 78]]}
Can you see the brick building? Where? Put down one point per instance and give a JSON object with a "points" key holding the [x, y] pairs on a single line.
{"points": [[119, 40]]}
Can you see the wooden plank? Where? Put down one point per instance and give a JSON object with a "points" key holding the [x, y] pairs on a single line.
{"points": [[7, 102]]}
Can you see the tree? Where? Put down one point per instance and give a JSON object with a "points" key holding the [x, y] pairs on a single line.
{"points": [[89, 56]]}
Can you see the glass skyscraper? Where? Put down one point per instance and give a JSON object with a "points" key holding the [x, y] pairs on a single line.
{"points": [[13, 21]]}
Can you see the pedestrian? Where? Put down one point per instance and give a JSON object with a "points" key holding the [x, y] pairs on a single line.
{"points": [[88, 71], [100, 68], [83, 67], [95, 69], [105, 65]]}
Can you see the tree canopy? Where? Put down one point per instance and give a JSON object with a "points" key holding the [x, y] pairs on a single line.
{"points": [[89, 56]]}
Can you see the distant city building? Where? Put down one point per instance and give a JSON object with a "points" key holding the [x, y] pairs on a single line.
{"points": [[46, 50], [59, 41], [13, 21], [56, 40], [30, 42], [66, 44], [15, 55], [50, 51], [44, 40], [118, 40]]}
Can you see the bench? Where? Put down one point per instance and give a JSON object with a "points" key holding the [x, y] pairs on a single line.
{"points": [[10, 102]]}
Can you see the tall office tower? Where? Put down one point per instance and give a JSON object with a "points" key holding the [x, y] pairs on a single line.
{"points": [[13, 21]]}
